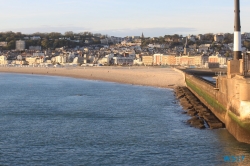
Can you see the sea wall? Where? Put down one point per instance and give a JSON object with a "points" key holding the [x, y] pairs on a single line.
{"points": [[208, 94], [228, 100]]}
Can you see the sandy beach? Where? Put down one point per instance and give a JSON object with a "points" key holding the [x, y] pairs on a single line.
{"points": [[146, 76]]}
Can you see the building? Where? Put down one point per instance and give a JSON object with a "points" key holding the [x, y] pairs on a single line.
{"points": [[104, 41], [35, 48], [247, 35], [217, 59], [200, 60], [20, 45], [184, 60], [35, 38], [3, 44], [186, 49], [157, 59], [147, 60], [204, 48], [136, 37], [191, 38], [178, 60], [86, 58], [78, 60], [200, 37], [123, 60], [191, 60], [138, 61], [106, 60], [170, 60], [38, 54], [142, 35], [218, 38], [3, 60], [34, 60], [97, 35]]}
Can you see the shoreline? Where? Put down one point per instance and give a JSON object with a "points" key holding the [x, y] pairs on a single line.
{"points": [[145, 76]]}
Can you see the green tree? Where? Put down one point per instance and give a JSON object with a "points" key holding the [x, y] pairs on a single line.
{"points": [[69, 34], [56, 43], [227, 54], [45, 43], [209, 37], [11, 45], [54, 35], [247, 44]]}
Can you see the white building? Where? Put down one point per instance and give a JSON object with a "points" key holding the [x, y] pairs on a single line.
{"points": [[138, 61], [3, 44], [20, 45], [191, 38], [123, 60], [104, 41], [3, 60], [247, 35], [38, 54], [35, 38], [34, 60], [35, 48], [60, 59], [106, 60], [204, 48], [218, 38], [136, 37]]}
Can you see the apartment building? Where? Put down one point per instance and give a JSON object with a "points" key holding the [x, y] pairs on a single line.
{"points": [[147, 60], [3, 60], [20, 45]]}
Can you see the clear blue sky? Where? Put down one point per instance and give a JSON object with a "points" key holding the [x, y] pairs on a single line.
{"points": [[123, 17]]}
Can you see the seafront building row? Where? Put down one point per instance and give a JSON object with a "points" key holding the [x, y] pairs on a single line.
{"points": [[127, 58]]}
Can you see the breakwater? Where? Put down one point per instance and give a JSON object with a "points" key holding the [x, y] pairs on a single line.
{"points": [[202, 117], [228, 100]]}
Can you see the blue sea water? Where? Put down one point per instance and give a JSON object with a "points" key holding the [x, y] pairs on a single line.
{"points": [[48, 120]]}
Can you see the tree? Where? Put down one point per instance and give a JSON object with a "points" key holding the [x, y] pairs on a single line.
{"points": [[45, 43], [190, 42], [228, 38], [174, 44], [227, 54], [54, 35], [56, 43], [69, 34], [11, 45], [209, 37], [247, 44]]}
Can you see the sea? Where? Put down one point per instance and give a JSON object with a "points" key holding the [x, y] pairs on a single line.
{"points": [[50, 120]]}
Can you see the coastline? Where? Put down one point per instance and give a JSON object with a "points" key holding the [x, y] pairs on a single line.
{"points": [[145, 76]]}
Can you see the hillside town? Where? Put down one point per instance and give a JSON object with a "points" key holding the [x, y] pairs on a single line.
{"points": [[87, 49]]}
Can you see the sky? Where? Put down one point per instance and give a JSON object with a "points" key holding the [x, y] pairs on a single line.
{"points": [[123, 17]]}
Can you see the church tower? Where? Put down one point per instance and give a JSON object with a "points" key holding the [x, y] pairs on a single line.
{"points": [[142, 36], [186, 49]]}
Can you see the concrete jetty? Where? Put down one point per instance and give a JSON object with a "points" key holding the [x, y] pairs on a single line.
{"points": [[228, 99]]}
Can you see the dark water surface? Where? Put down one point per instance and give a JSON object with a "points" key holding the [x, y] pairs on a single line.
{"points": [[64, 121]]}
